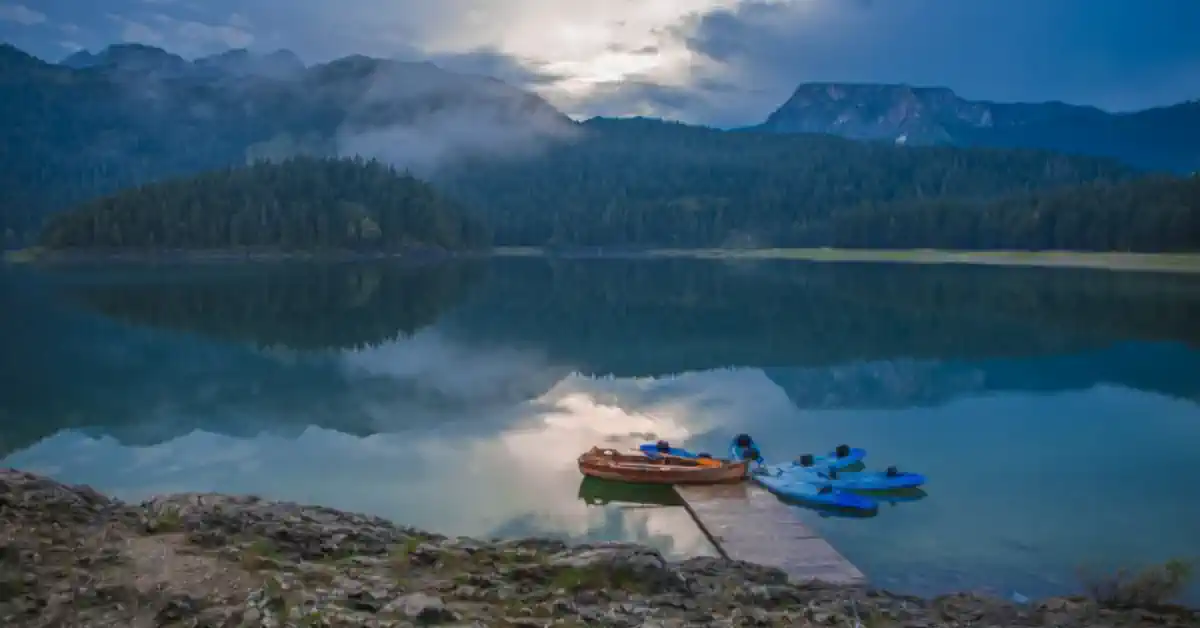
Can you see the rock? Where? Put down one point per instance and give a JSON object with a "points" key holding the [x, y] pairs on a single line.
{"points": [[424, 608], [178, 608], [69, 556], [365, 601], [622, 566]]}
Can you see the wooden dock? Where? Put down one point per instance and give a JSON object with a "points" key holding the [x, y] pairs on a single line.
{"points": [[745, 522]]}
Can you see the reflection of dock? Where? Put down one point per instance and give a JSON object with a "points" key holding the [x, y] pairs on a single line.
{"points": [[745, 522]]}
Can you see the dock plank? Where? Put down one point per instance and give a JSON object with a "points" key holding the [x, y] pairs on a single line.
{"points": [[746, 522]]}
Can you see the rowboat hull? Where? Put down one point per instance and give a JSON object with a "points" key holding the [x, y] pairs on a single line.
{"points": [[609, 464]]}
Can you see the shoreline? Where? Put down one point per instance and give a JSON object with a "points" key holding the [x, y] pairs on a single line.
{"points": [[36, 256], [1112, 261], [76, 557]]}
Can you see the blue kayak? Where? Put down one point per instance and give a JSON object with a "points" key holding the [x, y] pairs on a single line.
{"points": [[792, 487], [663, 447], [841, 457], [742, 447], [889, 480]]}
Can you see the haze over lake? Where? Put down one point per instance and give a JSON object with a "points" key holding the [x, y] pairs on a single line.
{"points": [[1055, 411]]}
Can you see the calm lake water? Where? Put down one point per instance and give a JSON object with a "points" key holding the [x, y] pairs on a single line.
{"points": [[1056, 411]]}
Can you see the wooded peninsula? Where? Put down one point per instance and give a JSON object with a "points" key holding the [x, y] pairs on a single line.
{"points": [[302, 203]]}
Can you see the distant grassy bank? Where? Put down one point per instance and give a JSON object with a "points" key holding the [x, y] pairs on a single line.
{"points": [[1147, 262], [39, 255], [1144, 262]]}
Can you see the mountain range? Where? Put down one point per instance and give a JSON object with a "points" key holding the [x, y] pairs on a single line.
{"points": [[1164, 138], [133, 114]]}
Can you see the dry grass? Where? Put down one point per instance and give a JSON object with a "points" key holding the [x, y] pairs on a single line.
{"points": [[1150, 262], [169, 521], [1152, 587], [165, 562], [259, 555], [1115, 260], [24, 256], [400, 555]]}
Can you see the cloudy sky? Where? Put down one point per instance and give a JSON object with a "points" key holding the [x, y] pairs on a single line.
{"points": [[709, 61]]}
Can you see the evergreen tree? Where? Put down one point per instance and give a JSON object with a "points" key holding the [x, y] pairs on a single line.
{"points": [[303, 203]]}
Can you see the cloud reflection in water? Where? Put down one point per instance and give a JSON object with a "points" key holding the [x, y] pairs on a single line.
{"points": [[514, 473]]}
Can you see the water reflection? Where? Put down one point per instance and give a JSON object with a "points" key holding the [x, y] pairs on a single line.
{"points": [[1053, 411], [634, 318], [597, 491], [517, 476], [292, 305]]}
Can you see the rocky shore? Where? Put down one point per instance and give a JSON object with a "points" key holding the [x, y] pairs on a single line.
{"points": [[71, 557]]}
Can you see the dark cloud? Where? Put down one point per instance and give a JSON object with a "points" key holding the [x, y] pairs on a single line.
{"points": [[1117, 54]]}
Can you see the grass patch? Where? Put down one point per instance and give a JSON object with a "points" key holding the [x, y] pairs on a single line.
{"points": [[592, 578], [875, 618], [312, 619], [400, 554], [518, 251], [343, 555], [169, 521], [23, 256], [1111, 260], [1152, 587], [1161, 262], [12, 585], [259, 555], [278, 599]]}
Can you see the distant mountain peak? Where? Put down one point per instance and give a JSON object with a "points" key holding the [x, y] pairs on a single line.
{"points": [[243, 62], [915, 115], [79, 59], [11, 52], [285, 55], [899, 112], [129, 57], [839, 90]]}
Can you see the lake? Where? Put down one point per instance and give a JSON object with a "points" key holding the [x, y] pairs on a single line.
{"points": [[1055, 411]]}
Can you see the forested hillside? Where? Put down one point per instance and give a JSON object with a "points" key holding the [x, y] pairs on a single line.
{"points": [[136, 115], [1145, 215], [140, 114], [68, 135], [637, 182], [302, 203]]}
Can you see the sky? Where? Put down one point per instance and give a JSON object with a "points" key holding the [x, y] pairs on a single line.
{"points": [[720, 62]]}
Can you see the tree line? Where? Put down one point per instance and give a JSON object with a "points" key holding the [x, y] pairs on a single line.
{"points": [[1155, 214], [934, 198], [633, 317], [643, 183], [317, 306], [301, 203], [71, 137]]}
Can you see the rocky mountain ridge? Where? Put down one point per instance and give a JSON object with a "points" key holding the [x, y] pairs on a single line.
{"points": [[1163, 138]]}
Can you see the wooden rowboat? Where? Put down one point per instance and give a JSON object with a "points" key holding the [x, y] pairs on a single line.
{"points": [[609, 464]]}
